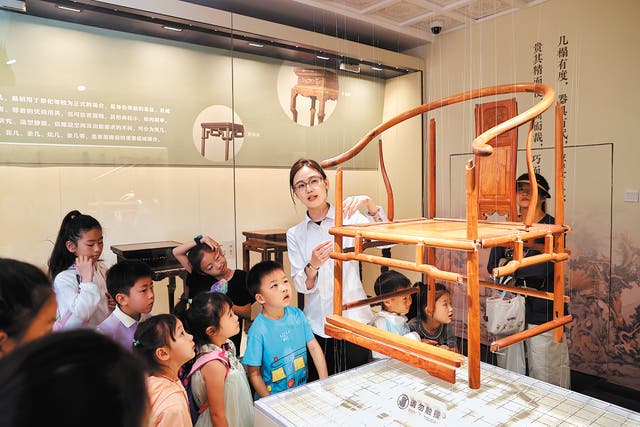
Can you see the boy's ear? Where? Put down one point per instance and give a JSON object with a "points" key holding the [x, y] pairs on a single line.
{"points": [[162, 353], [259, 298], [121, 299], [71, 247]]}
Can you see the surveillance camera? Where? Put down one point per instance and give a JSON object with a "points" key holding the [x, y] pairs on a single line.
{"points": [[436, 27]]}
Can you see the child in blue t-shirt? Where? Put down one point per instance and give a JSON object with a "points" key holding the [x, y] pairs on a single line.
{"points": [[276, 354]]}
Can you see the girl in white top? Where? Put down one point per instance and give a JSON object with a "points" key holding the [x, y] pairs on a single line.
{"points": [[218, 380], [79, 275], [309, 245]]}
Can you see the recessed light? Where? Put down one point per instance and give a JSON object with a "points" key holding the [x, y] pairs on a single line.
{"points": [[256, 45], [172, 28], [11, 61], [376, 68], [70, 9], [81, 88], [326, 58]]}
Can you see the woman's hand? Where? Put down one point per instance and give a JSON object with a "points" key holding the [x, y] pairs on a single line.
{"points": [[352, 204], [84, 268], [320, 254]]}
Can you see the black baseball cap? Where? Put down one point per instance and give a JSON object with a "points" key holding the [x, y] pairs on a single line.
{"points": [[543, 185]]}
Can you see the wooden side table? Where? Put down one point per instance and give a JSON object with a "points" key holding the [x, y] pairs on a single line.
{"points": [[269, 244], [158, 256], [319, 85], [227, 131]]}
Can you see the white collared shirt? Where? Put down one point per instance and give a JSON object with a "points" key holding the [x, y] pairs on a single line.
{"points": [[301, 239], [124, 318]]}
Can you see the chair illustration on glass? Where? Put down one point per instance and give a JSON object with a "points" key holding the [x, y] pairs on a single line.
{"points": [[469, 235], [320, 86], [227, 131]]}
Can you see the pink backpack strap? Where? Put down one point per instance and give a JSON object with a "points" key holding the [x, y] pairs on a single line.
{"points": [[220, 355]]}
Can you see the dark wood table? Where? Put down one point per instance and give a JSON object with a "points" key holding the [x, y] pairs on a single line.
{"points": [[159, 257]]}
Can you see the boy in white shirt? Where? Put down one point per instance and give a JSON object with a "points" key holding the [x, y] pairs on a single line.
{"points": [[131, 286]]}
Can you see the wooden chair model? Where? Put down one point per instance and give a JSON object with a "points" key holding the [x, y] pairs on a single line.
{"points": [[468, 235]]}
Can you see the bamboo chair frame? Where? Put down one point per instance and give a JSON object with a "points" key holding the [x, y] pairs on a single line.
{"points": [[467, 235]]}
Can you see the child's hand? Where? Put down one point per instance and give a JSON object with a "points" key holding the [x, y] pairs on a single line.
{"points": [[320, 253], [84, 268], [207, 240], [111, 303], [431, 342]]}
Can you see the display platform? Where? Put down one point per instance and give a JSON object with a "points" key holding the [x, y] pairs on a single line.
{"points": [[391, 393]]}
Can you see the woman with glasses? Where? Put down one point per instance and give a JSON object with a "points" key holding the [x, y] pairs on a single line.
{"points": [[309, 245], [207, 266], [547, 361]]}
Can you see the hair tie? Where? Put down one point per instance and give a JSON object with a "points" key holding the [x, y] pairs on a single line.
{"points": [[136, 343]]}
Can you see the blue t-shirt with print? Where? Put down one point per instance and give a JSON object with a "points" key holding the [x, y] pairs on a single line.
{"points": [[279, 347]]}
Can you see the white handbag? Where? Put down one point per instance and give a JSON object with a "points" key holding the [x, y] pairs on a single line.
{"points": [[505, 316]]}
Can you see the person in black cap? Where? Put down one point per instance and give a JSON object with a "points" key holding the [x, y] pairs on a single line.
{"points": [[547, 361]]}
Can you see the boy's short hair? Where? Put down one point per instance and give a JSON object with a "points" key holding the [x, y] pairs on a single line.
{"points": [[123, 275], [390, 281], [256, 274]]}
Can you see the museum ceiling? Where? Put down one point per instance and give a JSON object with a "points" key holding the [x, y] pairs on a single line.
{"points": [[395, 25]]}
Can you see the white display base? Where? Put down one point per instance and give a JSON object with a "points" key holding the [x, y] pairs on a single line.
{"points": [[391, 393]]}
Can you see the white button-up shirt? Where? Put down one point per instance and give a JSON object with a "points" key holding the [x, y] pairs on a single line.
{"points": [[301, 239]]}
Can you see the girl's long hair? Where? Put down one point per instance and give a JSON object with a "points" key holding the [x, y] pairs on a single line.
{"points": [[74, 224]]}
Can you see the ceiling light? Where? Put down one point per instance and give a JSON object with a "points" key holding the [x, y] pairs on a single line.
{"points": [[353, 68], [11, 61], [376, 68], [256, 45], [81, 88], [70, 9], [172, 28], [326, 58]]}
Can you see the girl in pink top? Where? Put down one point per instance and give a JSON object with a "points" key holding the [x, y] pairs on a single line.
{"points": [[165, 346]]}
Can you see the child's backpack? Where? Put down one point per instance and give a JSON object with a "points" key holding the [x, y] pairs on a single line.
{"points": [[187, 372]]}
